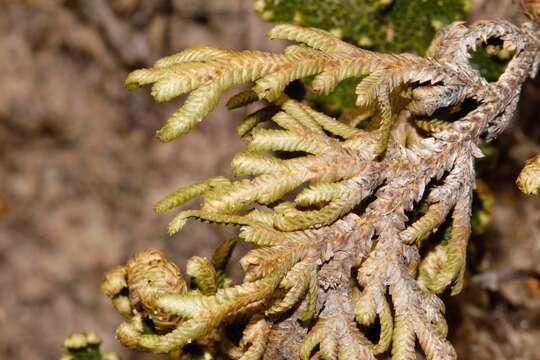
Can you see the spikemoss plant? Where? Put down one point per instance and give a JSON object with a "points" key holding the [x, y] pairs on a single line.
{"points": [[338, 225]]}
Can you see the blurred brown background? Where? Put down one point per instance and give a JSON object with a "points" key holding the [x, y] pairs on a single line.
{"points": [[80, 171]]}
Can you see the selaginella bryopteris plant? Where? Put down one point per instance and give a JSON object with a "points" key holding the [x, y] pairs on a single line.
{"points": [[337, 226]]}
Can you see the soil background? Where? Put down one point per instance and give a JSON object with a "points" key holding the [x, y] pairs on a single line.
{"points": [[80, 171]]}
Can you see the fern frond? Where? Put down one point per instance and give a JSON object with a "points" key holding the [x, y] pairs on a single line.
{"points": [[253, 119], [207, 76], [453, 270], [196, 53], [312, 339], [255, 338], [220, 259], [178, 222], [203, 273], [243, 98], [320, 193], [185, 194], [337, 204], [297, 283], [315, 38]]}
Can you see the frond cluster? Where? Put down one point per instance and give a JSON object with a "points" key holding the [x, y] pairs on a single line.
{"points": [[336, 225]]}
